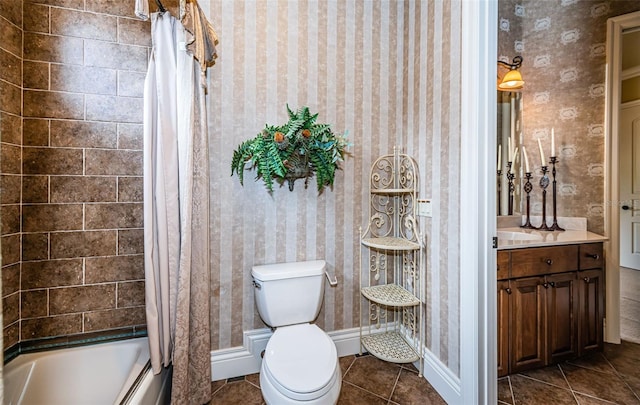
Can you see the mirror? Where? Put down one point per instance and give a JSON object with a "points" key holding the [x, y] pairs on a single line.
{"points": [[508, 162]]}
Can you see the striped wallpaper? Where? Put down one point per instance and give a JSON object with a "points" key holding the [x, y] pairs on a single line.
{"points": [[388, 72]]}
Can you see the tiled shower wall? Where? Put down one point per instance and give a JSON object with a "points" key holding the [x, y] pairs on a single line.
{"points": [[78, 204]]}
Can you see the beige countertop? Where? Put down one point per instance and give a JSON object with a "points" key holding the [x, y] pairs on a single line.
{"points": [[518, 238]]}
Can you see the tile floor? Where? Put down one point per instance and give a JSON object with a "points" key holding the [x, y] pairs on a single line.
{"points": [[601, 378], [612, 376], [365, 381]]}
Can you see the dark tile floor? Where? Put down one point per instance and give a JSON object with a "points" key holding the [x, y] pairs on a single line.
{"points": [[601, 378], [612, 376], [365, 381]]}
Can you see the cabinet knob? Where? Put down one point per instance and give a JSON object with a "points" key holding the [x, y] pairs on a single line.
{"points": [[586, 279], [508, 290], [545, 284], [552, 284], [594, 256], [549, 262]]}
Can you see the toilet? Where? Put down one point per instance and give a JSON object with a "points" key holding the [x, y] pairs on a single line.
{"points": [[300, 364]]}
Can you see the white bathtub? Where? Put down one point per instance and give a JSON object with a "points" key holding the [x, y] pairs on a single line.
{"points": [[104, 373]]}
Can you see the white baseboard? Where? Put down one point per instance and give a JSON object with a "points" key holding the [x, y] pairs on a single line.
{"points": [[247, 359], [441, 378]]}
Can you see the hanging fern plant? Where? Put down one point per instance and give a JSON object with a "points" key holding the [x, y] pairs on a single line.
{"points": [[299, 149]]}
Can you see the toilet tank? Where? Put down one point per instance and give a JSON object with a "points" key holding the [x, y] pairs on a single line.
{"points": [[289, 293]]}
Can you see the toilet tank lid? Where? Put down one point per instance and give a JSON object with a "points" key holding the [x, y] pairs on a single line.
{"points": [[278, 271]]}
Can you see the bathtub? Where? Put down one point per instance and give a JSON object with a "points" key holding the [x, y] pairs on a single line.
{"points": [[105, 373]]}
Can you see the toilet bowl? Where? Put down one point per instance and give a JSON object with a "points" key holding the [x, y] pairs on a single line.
{"points": [[300, 363]]}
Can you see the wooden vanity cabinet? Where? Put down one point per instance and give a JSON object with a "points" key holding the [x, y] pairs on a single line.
{"points": [[549, 308]]}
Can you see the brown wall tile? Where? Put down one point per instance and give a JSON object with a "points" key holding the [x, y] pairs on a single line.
{"points": [[130, 294], [10, 98], [36, 132], [49, 48], [130, 136], [114, 109], [11, 37], [10, 216], [83, 79], [11, 128], [77, 4], [83, 25], [134, 31], [10, 68], [113, 7], [114, 268], [113, 215], [113, 162], [52, 161], [11, 308], [114, 318], [66, 189], [11, 334], [130, 189], [51, 104], [10, 189], [36, 17], [82, 244], [131, 84], [115, 56], [67, 300], [10, 159], [36, 75], [10, 279], [83, 134], [130, 241], [51, 273], [35, 328], [51, 217], [35, 246], [12, 11], [10, 246], [34, 304], [35, 189]]}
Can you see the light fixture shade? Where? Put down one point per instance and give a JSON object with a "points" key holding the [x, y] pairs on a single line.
{"points": [[511, 81]]}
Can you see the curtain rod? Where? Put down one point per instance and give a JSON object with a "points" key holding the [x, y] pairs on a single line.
{"points": [[160, 6]]}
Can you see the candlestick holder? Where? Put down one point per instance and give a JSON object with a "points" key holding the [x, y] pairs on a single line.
{"points": [[527, 189], [510, 177], [554, 226], [499, 188], [544, 183]]}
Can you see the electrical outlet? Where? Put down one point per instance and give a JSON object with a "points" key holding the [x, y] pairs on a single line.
{"points": [[424, 208]]}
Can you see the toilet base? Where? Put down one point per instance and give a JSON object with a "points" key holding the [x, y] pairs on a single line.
{"points": [[274, 397]]}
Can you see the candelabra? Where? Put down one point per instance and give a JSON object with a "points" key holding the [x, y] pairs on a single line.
{"points": [[544, 183], [527, 189], [510, 177], [499, 188], [555, 226]]}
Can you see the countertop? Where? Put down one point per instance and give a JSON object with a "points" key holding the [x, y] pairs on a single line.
{"points": [[555, 238]]}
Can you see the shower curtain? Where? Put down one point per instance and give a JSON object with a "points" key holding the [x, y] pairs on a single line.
{"points": [[176, 204]]}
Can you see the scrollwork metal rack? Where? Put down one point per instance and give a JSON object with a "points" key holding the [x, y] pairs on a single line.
{"points": [[392, 255]]}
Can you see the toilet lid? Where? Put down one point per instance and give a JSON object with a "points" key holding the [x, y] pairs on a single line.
{"points": [[302, 358]]}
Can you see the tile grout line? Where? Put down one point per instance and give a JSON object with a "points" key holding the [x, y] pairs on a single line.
{"points": [[568, 385], [513, 397], [395, 384], [617, 373]]}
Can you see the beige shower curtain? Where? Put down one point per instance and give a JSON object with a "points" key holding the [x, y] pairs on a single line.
{"points": [[176, 211]]}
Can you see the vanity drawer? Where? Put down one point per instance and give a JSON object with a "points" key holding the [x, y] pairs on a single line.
{"points": [[537, 261], [503, 265], [591, 256]]}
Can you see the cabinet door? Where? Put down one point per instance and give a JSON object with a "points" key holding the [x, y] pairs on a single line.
{"points": [[562, 316], [503, 264], [503, 327], [591, 311], [528, 324]]}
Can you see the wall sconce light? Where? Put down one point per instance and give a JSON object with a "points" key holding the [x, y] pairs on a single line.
{"points": [[512, 80]]}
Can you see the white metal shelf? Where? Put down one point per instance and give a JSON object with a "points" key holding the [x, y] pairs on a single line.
{"points": [[390, 243], [390, 346], [391, 295]]}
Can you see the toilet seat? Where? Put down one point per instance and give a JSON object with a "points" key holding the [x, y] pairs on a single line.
{"points": [[301, 362]]}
